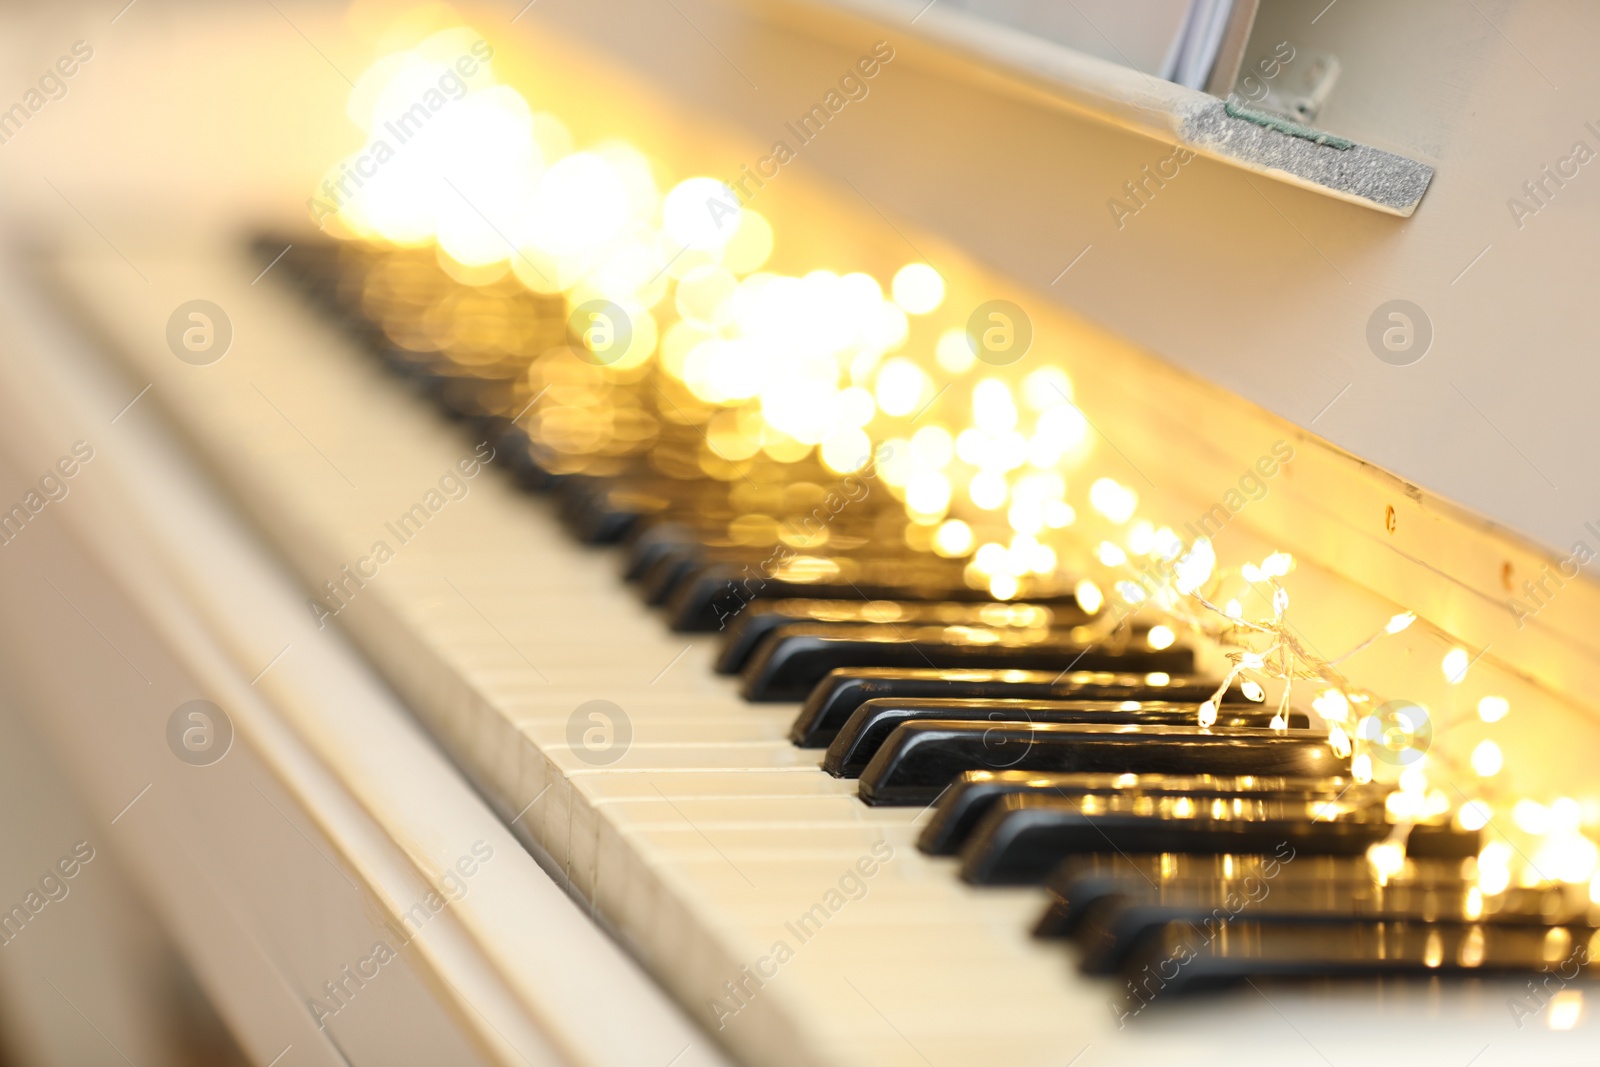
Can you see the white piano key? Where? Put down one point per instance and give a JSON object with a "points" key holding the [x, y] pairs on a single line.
{"points": [[495, 627], [725, 785], [649, 758]]}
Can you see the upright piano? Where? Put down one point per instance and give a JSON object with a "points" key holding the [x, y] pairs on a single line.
{"points": [[826, 531]]}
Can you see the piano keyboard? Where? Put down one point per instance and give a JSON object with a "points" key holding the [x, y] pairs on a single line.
{"points": [[869, 847]]}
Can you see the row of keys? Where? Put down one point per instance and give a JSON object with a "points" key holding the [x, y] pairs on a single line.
{"points": [[1052, 749]]}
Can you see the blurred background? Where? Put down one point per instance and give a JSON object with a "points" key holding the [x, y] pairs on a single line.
{"points": [[182, 119]]}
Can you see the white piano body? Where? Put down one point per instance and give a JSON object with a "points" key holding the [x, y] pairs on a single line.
{"points": [[401, 859]]}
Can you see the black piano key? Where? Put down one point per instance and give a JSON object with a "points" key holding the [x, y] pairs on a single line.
{"points": [[708, 598], [687, 535], [708, 582], [973, 794], [788, 665], [469, 397], [836, 697], [595, 511], [672, 564], [650, 543], [1116, 925], [513, 450], [865, 731], [1022, 838], [1080, 881], [1180, 960], [609, 510], [762, 617], [921, 759]]}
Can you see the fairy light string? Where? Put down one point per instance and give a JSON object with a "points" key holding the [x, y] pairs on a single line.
{"points": [[1186, 585], [493, 213]]}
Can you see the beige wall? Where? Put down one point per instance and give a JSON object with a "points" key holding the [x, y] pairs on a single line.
{"points": [[1256, 286]]}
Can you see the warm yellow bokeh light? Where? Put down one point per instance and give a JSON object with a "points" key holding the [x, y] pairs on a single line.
{"points": [[1487, 759], [918, 288], [1113, 500], [654, 311], [953, 539], [901, 384], [751, 244], [954, 352], [846, 451], [701, 213]]}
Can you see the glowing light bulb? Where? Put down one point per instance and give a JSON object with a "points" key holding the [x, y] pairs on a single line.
{"points": [[1113, 500], [1160, 637], [1142, 538], [1474, 815], [1569, 857], [1002, 586], [900, 386], [1454, 665], [701, 213], [1167, 546], [1493, 709], [988, 490], [856, 407], [1332, 705], [1088, 596], [953, 539], [992, 407], [579, 204], [918, 288], [1193, 570], [1565, 815], [928, 493], [1058, 514], [1400, 622], [990, 557], [1253, 691], [1021, 552], [1026, 515], [1277, 565], [1388, 858], [953, 353], [1530, 816], [1208, 713], [1061, 428], [848, 450], [1361, 767], [1487, 759], [1110, 554]]}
